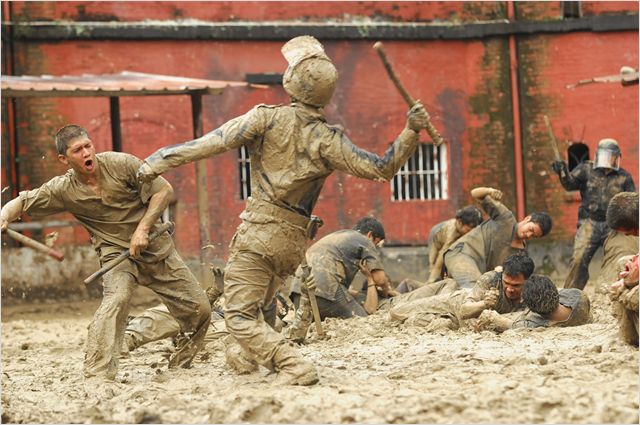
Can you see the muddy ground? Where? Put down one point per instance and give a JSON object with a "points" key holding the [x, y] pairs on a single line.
{"points": [[371, 371]]}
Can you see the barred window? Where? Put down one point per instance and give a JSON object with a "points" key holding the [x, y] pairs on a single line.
{"points": [[244, 167], [423, 176]]}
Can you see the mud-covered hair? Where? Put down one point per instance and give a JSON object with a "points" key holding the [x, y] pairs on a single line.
{"points": [[518, 264], [67, 134], [540, 294], [370, 224], [622, 212], [543, 220], [469, 215]]}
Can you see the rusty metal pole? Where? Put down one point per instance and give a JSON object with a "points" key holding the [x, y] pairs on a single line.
{"points": [[517, 131], [12, 123], [116, 132], [201, 187]]}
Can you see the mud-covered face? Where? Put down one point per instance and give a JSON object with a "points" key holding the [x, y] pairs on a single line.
{"points": [[80, 156], [513, 286], [528, 229], [462, 228]]}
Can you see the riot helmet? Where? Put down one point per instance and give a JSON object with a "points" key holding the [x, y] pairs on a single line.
{"points": [[607, 155], [310, 77]]}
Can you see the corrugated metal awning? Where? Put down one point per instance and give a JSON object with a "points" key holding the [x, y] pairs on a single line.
{"points": [[125, 83]]}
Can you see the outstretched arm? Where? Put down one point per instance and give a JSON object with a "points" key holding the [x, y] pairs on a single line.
{"points": [[11, 211], [480, 193], [232, 134], [343, 155]]}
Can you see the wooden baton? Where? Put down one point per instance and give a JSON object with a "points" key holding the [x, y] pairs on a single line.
{"points": [[27, 241], [168, 226], [433, 133]]}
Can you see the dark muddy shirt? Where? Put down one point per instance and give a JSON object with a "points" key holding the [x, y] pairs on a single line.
{"points": [[334, 261], [597, 188], [110, 219], [489, 243], [490, 280], [572, 298], [292, 150]]}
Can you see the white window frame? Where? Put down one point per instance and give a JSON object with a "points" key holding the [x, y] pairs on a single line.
{"points": [[424, 177], [244, 169]]}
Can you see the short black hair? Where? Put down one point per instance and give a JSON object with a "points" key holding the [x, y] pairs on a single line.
{"points": [[540, 294], [469, 215], [370, 224], [518, 264], [543, 220], [622, 212], [67, 134]]}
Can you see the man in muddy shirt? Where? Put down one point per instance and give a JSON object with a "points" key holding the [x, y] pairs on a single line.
{"points": [[103, 193], [622, 218], [441, 237], [624, 294], [485, 247], [293, 151], [546, 307], [498, 290], [598, 182]]}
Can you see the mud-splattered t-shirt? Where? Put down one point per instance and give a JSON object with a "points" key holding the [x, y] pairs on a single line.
{"points": [[489, 243], [596, 187], [573, 298], [441, 237], [493, 279], [616, 246], [292, 150], [112, 218], [334, 261]]}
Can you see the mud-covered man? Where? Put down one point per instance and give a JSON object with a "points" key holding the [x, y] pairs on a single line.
{"points": [[334, 262], [441, 237], [486, 246], [546, 307], [598, 182], [293, 150], [622, 218], [625, 297], [104, 194], [499, 290]]}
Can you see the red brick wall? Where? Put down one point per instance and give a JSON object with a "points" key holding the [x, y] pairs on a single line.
{"points": [[464, 84]]}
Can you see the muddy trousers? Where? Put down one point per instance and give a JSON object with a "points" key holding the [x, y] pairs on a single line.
{"points": [[178, 289], [157, 323], [251, 283], [462, 268], [590, 235]]}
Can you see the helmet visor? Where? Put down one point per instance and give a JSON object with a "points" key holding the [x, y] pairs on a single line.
{"points": [[606, 159]]}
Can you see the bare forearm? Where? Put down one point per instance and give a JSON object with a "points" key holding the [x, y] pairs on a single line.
{"points": [[470, 310], [479, 193], [11, 211], [157, 204], [371, 301]]}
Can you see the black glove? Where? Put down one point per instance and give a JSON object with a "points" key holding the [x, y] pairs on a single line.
{"points": [[558, 167]]}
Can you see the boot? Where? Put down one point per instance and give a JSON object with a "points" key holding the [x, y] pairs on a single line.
{"points": [[297, 330], [292, 368], [237, 358]]}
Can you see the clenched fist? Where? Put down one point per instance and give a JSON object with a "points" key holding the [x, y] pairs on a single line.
{"points": [[417, 118], [145, 174]]}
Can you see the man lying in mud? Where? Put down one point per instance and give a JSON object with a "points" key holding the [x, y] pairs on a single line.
{"points": [[103, 193], [546, 307], [486, 246], [292, 152], [498, 290], [441, 237]]}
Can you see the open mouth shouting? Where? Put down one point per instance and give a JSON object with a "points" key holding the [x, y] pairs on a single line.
{"points": [[89, 164]]}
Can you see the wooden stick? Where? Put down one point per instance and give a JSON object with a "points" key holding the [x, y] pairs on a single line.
{"points": [[433, 133], [27, 241]]}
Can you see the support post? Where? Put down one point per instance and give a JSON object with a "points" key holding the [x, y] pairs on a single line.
{"points": [[116, 134]]}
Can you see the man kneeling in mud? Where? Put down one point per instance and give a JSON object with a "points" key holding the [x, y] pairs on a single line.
{"points": [[547, 307], [498, 290]]}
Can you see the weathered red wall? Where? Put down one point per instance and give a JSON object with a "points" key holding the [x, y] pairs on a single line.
{"points": [[464, 84]]}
